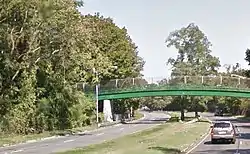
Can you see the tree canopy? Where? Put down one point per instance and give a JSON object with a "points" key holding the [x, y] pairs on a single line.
{"points": [[194, 53], [46, 48]]}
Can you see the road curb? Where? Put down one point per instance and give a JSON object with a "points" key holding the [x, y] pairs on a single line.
{"points": [[196, 143], [191, 121], [31, 141], [115, 124]]}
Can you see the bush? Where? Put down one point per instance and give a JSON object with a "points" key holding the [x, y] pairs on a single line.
{"points": [[174, 119]]}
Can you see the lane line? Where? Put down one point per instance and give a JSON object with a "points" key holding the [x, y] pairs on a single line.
{"points": [[68, 141], [121, 128], [145, 115], [31, 141], [16, 151], [99, 134], [189, 151]]}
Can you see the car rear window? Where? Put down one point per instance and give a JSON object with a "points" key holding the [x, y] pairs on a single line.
{"points": [[222, 125]]}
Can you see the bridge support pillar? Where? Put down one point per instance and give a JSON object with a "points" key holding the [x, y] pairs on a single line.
{"points": [[107, 111]]}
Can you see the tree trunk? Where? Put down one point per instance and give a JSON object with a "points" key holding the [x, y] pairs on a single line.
{"points": [[182, 108], [196, 114], [131, 111], [182, 114], [193, 101]]}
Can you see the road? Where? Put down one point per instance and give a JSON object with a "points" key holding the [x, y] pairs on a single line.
{"points": [[81, 140], [243, 140]]}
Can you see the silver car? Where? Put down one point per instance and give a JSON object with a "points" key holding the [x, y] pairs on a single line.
{"points": [[223, 130]]}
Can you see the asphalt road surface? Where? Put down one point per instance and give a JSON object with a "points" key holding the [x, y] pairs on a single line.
{"points": [[81, 140], [243, 141]]}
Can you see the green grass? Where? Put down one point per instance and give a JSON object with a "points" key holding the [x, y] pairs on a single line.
{"points": [[10, 139], [138, 115], [13, 139], [7, 139], [169, 138], [188, 116], [178, 113]]}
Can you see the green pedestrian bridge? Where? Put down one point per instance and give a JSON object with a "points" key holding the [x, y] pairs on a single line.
{"points": [[174, 86]]}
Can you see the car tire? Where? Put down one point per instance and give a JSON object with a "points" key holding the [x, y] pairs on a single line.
{"points": [[213, 141], [232, 141]]}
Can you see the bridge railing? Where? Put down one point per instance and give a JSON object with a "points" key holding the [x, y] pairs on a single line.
{"points": [[173, 82]]}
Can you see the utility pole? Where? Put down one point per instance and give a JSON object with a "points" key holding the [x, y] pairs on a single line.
{"points": [[96, 96], [97, 92]]}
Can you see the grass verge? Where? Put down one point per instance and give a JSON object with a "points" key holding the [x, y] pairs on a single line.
{"points": [[170, 138], [10, 139], [138, 115], [176, 114], [14, 139]]}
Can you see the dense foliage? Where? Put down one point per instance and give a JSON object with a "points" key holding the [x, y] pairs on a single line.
{"points": [[47, 47]]}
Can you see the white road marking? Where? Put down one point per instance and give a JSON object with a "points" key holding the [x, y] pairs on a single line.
{"points": [[198, 144], [99, 134], [121, 128], [16, 151], [185, 149], [31, 141], [68, 141]]}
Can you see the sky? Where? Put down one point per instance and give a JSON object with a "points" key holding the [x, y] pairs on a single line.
{"points": [[225, 22]]}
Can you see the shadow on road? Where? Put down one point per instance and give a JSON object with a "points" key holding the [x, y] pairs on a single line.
{"points": [[228, 118], [245, 136], [166, 150], [243, 126], [220, 143], [225, 151]]}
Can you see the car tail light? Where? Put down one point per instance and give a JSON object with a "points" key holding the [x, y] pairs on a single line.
{"points": [[212, 131]]}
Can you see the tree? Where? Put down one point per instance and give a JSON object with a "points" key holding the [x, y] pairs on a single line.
{"points": [[194, 56], [38, 64], [156, 103], [115, 47], [46, 48], [247, 58]]}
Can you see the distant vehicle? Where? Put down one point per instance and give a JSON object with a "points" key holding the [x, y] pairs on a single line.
{"points": [[223, 130], [218, 112]]}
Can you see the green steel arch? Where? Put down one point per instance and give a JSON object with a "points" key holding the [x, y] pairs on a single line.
{"points": [[174, 86], [178, 91]]}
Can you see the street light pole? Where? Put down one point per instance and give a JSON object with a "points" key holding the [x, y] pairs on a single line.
{"points": [[97, 104], [97, 93], [96, 96]]}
